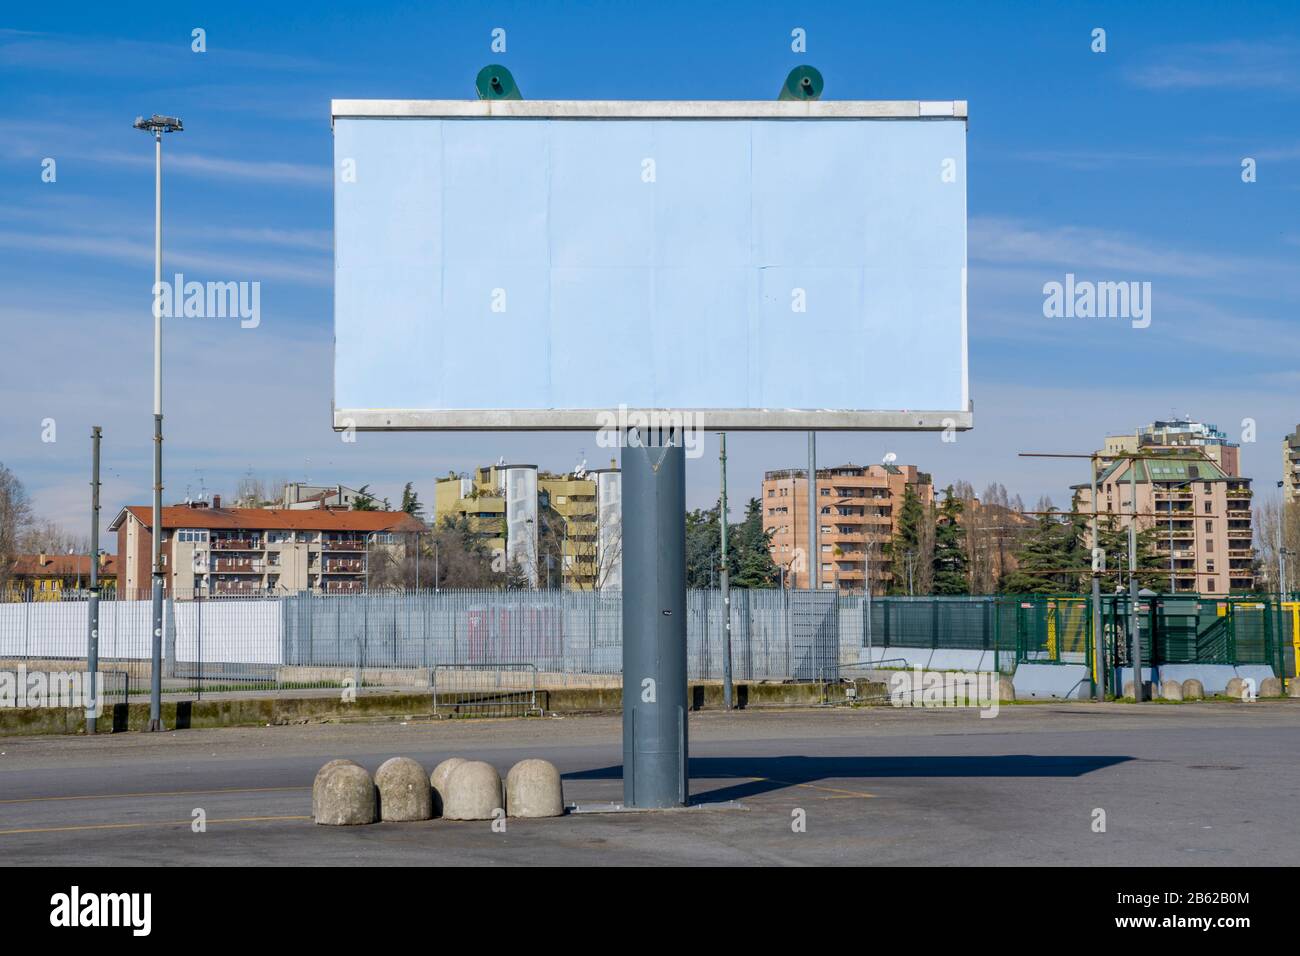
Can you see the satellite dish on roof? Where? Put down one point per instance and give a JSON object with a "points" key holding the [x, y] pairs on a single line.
{"points": [[890, 458]]}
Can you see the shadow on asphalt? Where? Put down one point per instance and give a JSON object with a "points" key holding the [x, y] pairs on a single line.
{"points": [[769, 774]]}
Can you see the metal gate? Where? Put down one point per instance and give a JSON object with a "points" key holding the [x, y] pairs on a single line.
{"points": [[814, 637]]}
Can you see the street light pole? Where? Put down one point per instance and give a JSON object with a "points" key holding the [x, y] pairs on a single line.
{"points": [[157, 125], [726, 591]]}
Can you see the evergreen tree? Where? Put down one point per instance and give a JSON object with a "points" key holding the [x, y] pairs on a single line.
{"points": [[749, 552], [411, 503], [364, 500], [950, 559], [1048, 561], [751, 564], [1152, 569], [905, 550]]}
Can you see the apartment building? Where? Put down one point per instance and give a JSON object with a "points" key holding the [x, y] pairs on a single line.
{"points": [[45, 577], [1291, 468], [1201, 513], [212, 551], [1178, 434], [857, 515], [558, 529], [300, 496]]}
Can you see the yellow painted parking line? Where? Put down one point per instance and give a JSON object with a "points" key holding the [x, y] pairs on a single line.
{"points": [[136, 826], [158, 793], [842, 793]]}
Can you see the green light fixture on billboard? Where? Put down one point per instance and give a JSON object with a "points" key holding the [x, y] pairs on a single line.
{"points": [[494, 82], [803, 83]]}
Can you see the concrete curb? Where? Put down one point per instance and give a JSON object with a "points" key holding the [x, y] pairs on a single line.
{"points": [[261, 711]]}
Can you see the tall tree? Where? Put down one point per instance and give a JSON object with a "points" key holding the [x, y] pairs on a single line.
{"points": [[906, 550], [1051, 559], [950, 560], [750, 561], [363, 500], [15, 521], [411, 503]]}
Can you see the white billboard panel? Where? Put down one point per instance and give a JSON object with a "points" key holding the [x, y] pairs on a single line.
{"points": [[516, 264]]}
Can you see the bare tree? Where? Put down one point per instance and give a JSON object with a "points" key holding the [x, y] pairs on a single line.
{"points": [[15, 522]]}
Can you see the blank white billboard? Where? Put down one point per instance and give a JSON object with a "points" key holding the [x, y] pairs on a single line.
{"points": [[517, 264]]}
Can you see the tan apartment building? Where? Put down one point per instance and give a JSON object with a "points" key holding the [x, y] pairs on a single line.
{"points": [[1202, 518], [1178, 434], [1291, 468], [857, 516], [211, 551], [559, 529]]}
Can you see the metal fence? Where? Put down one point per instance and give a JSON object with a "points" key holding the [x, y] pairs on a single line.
{"points": [[574, 638]]}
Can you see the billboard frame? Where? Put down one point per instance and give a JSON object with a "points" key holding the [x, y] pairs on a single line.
{"points": [[724, 419]]}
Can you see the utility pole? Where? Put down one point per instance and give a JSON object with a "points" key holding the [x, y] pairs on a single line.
{"points": [[1138, 695], [814, 565], [92, 638], [157, 125], [726, 591], [1098, 641]]}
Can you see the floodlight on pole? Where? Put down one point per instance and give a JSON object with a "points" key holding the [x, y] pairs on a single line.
{"points": [[157, 125]]}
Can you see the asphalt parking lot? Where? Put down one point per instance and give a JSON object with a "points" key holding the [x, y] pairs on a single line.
{"points": [[1196, 784]]}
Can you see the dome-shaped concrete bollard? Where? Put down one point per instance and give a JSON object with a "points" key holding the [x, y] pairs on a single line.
{"points": [[404, 791], [1193, 689], [1293, 687], [1006, 689], [473, 792], [1128, 688], [534, 789], [1236, 689], [1270, 687], [1171, 690], [320, 778], [438, 781], [347, 797]]}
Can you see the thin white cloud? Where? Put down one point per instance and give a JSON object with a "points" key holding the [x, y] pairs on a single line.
{"points": [[1231, 65], [210, 264]]}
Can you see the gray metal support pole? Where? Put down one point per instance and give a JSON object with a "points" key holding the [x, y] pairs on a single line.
{"points": [[1098, 640], [155, 671], [726, 590], [814, 559], [1138, 694], [92, 637], [654, 621]]}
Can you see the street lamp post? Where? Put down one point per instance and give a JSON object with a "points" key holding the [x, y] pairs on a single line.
{"points": [[157, 125]]}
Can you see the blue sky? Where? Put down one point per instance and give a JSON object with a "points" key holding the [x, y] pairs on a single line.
{"points": [[1116, 166]]}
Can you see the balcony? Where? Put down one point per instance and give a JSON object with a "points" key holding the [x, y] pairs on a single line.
{"points": [[345, 567], [236, 544], [343, 546], [235, 566]]}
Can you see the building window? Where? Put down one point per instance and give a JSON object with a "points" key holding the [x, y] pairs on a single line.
{"points": [[192, 534], [1209, 527], [1209, 585], [1209, 507], [1209, 548]]}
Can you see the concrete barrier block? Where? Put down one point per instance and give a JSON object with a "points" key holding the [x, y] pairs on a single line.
{"points": [[1236, 689], [473, 792], [1293, 687], [404, 791], [1006, 689], [318, 783], [347, 797], [1171, 690], [534, 789], [438, 782], [1270, 687], [1193, 689]]}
